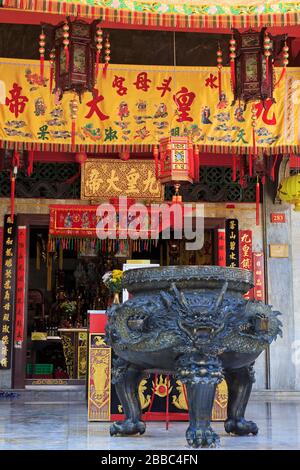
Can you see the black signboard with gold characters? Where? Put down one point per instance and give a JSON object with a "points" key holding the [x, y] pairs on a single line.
{"points": [[232, 243], [7, 296]]}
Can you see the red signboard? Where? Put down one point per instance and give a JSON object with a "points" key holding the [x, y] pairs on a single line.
{"points": [[245, 246], [221, 247], [20, 288], [278, 218], [1, 254], [259, 276]]}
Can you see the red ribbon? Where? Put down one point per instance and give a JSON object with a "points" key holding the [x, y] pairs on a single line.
{"points": [[73, 134], [105, 69], [12, 197], [67, 58], [42, 61], [30, 163], [232, 73], [257, 202], [281, 77], [234, 168]]}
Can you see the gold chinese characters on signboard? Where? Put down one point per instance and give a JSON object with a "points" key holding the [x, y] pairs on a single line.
{"points": [[105, 179]]}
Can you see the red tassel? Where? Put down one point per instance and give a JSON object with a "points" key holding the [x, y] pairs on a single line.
{"points": [[267, 70], [30, 163], [105, 69], [97, 62], [234, 168], [232, 73], [196, 165], [16, 159], [51, 78], [12, 197], [257, 202], [253, 141], [73, 133], [42, 63], [281, 77], [155, 154], [67, 58], [250, 165], [220, 83]]}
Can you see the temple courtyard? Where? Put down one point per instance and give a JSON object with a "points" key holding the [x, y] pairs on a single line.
{"points": [[36, 425]]}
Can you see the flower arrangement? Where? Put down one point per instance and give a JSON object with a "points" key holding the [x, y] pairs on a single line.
{"points": [[113, 280]]}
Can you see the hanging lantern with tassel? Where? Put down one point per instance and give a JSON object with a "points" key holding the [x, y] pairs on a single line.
{"points": [[232, 56], [73, 110], [106, 55], [99, 41], [220, 65], [253, 124], [66, 43], [42, 43], [267, 54], [285, 61]]}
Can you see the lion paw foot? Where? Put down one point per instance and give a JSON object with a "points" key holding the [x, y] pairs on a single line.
{"points": [[202, 437], [241, 427], [127, 428]]}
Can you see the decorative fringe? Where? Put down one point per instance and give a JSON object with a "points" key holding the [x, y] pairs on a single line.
{"points": [[257, 202]]}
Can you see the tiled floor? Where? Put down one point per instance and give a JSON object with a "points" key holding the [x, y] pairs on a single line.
{"points": [[43, 425]]}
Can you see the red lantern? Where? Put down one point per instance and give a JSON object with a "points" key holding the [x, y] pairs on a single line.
{"points": [[176, 160]]}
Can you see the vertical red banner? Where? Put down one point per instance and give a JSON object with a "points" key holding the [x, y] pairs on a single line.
{"points": [[259, 276], [221, 247], [20, 288], [245, 246]]}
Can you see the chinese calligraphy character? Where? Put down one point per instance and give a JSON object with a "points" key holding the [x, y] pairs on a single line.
{"points": [[183, 100], [17, 102], [119, 84], [110, 134], [93, 105], [8, 252], [265, 108], [5, 328], [151, 184], [132, 179], [142, 81], [8, 263], [246, 238], [94, 181], [112, 180], [4, 362], [164, 86], [211, 81], [43, 133], [240, 136]]}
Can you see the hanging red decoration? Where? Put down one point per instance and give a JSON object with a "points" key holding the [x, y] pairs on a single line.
{"points": [[156, 155], [196, 164], [52, 61], [232, 56], [285, 55], [253, 124], [234, 168], [106, 55], [219, 65], [66, 43], [267, 53], [73, 109], [250, 161], [257, 201], [42, 44], [30, 163], [99, 41], [80, 158], [13, 176]]}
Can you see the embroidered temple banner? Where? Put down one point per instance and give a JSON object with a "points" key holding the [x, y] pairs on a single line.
{"points": [[135, 106]]}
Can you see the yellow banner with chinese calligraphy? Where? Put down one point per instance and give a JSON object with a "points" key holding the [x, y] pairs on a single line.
{"points": [[135, 106], [103, 179]]}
